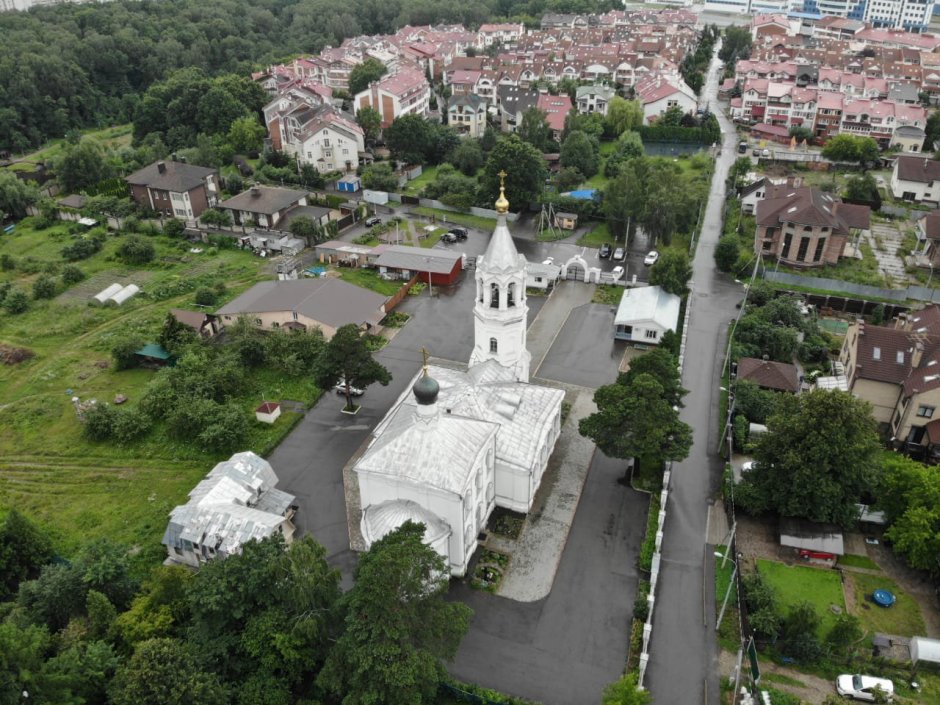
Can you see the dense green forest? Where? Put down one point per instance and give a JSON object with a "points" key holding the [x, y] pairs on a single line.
{"points": [[78, 66]]}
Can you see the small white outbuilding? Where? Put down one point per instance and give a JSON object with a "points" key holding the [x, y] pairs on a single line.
{"points": [[124, 294], [645, 314], [105, 294]]}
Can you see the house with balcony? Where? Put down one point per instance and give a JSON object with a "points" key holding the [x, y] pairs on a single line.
{"points": [[504, 33], [916, 179], [174, 189], [404, 92], [263, 206], [594, 99], [658, 94], [467, 115], [805, 227], [320, 136], [897, 370]]}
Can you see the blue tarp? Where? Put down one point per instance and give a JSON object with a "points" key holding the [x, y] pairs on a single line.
{"points": [[584, 194]]}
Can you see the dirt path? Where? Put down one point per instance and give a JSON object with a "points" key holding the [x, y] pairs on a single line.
{"points": [[812, 689]]}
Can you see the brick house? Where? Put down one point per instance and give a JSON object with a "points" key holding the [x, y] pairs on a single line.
{"points": [[175, 189], [804, 227], [404, 92]]}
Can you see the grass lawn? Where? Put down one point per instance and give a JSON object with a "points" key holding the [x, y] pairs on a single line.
{"points": [[858, 561], [415, 186], [723, 581], [369, 279], [819, 586], [598, 181], [432, 239], [111, 137], [81, 490], [466, 219], [607, 294], [903, 618], [858, 271], [596, 236]]}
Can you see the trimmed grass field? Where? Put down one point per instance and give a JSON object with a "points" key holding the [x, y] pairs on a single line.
{"points": [[596, 236], [369, 279], [819, 586], [903, 618], [415, 186], [76, 489], [858, 562], [467, 219]]}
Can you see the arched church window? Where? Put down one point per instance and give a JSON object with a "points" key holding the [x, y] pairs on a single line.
{"points": [[511, 294], [493, 345], [480, 291], [494, 295]]}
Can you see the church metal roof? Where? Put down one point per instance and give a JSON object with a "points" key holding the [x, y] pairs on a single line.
{"points": [[378, 520]]}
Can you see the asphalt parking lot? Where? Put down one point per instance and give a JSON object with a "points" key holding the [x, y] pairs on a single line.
{"points": [[584, 351]]}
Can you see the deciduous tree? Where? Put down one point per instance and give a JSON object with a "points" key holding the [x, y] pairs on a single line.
{"points": [[672, 272], [910, 496], [525, 173], [82, 165], [347, 357], [246, 134], [817, 459], [370, 120], [535, 130], [623, 115], [364, 74], [165, 672], [16, 195], [24, 550], [580, 152], [398, 626]]}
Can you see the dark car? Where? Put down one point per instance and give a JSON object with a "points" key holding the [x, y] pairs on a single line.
{"points": [[459, 233], [605, 251], [374, 220]]}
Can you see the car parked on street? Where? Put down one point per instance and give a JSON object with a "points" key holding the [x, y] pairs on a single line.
{"points": [[353, 391], [651, 258], [458, 233], [617, 272], [604, 251], [863, 687], [449, 237], [373, 221], [620, 254]]}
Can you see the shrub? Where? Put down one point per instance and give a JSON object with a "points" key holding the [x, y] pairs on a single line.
{"points": [[16, 301], [7, 263], [124, 353], [129, 424], [99, 422], [174, 228], [82, 248], [44, 287], [726, 253], [206, 297], [71, 274], [136, 250]]}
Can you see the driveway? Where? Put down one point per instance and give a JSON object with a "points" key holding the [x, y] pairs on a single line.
{"points": [[565, 649], [585, 352]]}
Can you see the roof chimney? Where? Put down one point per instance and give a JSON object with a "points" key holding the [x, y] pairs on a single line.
{"points": [[161, 167], [256, 191], [916, 354]]}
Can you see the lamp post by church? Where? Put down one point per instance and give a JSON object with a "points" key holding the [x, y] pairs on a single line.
{"points": [[430, 287]]}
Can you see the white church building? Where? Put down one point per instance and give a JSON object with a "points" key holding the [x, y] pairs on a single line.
{"points": [[458, 443]]}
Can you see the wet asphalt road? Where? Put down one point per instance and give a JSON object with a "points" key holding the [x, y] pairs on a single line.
{"points": [[683, 665]]}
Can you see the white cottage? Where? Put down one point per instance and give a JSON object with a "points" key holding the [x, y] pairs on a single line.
{"points": [[460, 443], [645, 314]]}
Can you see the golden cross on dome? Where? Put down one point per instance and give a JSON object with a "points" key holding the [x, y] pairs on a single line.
{"points": [[502, 205]]}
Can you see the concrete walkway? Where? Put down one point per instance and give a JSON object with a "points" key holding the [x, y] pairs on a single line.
{"points": [[566, 297], [537, 551], [885, 239]]}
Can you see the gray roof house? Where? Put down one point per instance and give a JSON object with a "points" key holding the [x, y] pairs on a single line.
{"points": [[235, 503], [645, 314], [174, 189], [263, 206], [326, 303], [513, 102], [594, 99]]}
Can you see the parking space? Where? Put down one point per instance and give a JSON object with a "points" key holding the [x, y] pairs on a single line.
{"points": [[584, 352]]}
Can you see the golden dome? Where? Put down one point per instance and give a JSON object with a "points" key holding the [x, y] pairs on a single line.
{"points": [[502, 205]]}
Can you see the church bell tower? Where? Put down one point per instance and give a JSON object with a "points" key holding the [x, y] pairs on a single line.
{"points": [[500, 311]]}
